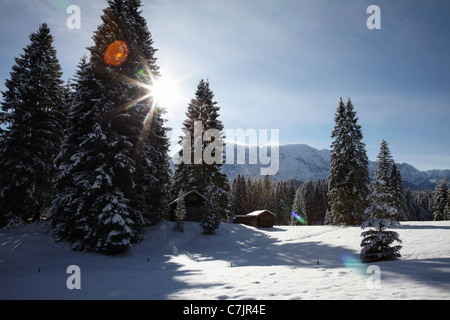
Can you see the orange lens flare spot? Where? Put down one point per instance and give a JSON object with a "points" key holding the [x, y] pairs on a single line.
{"points": [[117, 53]]}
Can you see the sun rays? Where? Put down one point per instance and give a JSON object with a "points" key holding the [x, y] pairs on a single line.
{"points": [[142, 78]]}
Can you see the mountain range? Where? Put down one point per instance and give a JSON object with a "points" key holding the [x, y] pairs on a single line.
{"points": [[302, 162]]}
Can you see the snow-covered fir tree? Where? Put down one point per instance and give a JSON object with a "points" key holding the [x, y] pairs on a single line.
{"points": [[70, 198], [447, 207], [398, 192], [113, 166], [308, 201], [195, 173], [328, 219], [298, 207], [381, 198], [287, 201], [152, 175], [239, 196], [291, 190], [311, 202], [33, 112], [419, 205], [211, 215], [321, 200], [180, 212], [254, 195], [282, 204], [250, 195], [349, 173], [377, 241], [267, 194], [441, 200], [382, 212]]}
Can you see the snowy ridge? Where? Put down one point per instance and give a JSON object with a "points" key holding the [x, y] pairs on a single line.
{"points": [[284, 262], [302, 162]]}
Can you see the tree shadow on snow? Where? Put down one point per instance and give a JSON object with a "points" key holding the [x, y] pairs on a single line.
{"points": [[273, 229], [233, 246], [433, 272], [255, 247], [423, 226], [180, 266]]}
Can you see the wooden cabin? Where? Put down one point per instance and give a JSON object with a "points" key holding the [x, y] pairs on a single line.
{"points": [[193, 202], [258, 219]]}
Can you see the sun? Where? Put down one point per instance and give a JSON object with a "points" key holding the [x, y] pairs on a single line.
{"points": [[164, 91], [160, 91]]}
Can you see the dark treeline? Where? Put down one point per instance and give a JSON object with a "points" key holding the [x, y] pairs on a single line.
{"points": [[308, 199]]}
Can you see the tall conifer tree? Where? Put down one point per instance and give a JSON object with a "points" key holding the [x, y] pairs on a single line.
{"points": [[195, 173], [321, 200], [298, 207], [33, 111], [268, 194], [441, 200], [349, 173], [381, 197], [114, 165], [239, 196], [447, 207], [308, 202], [382, 213], [398, 192], [211, 216], [282, 202], [255, 195], [180, 212]]}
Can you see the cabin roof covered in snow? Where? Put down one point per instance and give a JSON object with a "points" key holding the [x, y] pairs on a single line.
{"points": [[258, 212]]}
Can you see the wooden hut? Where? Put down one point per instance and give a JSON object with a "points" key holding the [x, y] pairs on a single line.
{"points": [[258, 219], [193, 202]]}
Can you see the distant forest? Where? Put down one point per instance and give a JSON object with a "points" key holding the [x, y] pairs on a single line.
{"points": [[308, 199]]}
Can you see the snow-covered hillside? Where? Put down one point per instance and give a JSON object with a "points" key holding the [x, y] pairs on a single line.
{"points": [[302, 162], [240, 262], [297, 161]]}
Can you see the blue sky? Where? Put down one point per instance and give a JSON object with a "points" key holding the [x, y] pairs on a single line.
{"points": [[284, 64]]}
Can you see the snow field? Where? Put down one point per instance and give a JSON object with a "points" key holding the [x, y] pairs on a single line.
{"points": [[239, 262]]}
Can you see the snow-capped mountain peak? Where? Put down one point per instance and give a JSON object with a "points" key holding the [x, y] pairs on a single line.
{"points": [[303, 162]]}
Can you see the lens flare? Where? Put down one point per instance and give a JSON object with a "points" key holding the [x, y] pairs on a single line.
{"points": [[60, 4], [353, 263], [141, 74], [116, 53], [299, 219]]}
